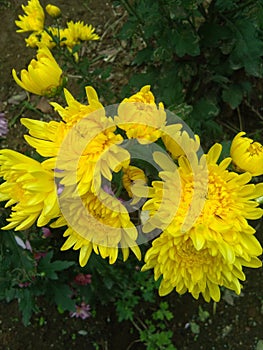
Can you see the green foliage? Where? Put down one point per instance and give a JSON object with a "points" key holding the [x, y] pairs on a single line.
{"points": [[163, 312], [154, 333], [200, 53], [126, 289], [25, 275], [49, 269]]}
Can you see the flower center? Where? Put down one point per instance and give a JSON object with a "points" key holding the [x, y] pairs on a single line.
{"points": [[189, 256], [218, 197]]}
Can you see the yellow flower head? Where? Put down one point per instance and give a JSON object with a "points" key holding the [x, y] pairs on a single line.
{"points": [[140, 117], [53, 10], [34, 17], [179, 143], [42, 39], [101, 224], [84, 145], [89, 151], [43, 76], [47, 137], [77, 32], [76, 111], [185, 268], [202, 205], [247, 155], [29, 188]]}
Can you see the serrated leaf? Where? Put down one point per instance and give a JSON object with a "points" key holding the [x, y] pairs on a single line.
{"points": [[248, 48], [204, 109], [233, 95], [49, 269], [186, 42], [26, 305]]}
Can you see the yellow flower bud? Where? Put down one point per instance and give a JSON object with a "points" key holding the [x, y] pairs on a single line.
{"points": [[43, 76], [247, 155], [53, 11]]}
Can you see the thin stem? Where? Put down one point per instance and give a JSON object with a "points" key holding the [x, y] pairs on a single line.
{"points": [[136, 326], [239, 119], [253, 109], [132, 343]]}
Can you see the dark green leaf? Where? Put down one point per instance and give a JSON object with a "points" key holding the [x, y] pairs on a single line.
{"points": [[26, 304], [143, 56], [62, 296], [48, 269], [186, 42], [233, 95], [248, 48]]}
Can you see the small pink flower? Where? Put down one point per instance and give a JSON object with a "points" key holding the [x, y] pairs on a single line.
{"points": [[46, 232], [82, 311], [24, 284], [82, 279], [24, 245]]}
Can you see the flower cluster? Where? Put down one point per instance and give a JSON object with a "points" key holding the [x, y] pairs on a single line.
{"points": [[34, 21], [96, 174], [114, 178]]}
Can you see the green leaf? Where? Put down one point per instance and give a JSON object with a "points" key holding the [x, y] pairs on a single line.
{"points": [[129, 29], [248, 47], [62, 296], [202, 118], [26, 304], [204, 109], [225, 150], [186, 42], [212, 33], [48, 269], [223, 5], [143, 56], [233, 95]]}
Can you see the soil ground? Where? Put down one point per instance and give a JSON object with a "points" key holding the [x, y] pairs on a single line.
{"points": [[235, 323]]}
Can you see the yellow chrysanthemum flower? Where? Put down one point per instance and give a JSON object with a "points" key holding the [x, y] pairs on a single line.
{"points": [[202, 203], [42, 39], [47, 137], [75, 111], [43, 76], [84, 146], [179, 143], [139, 116], [53, 10], [29, 188], [76, 32], [91, 150], [101, 224], [34, 17], [247, 155], [185, 268]]}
